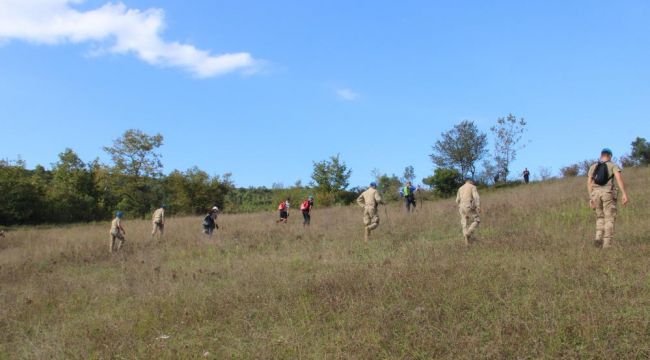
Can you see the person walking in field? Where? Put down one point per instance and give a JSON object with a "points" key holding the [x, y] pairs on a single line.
{"points": [[215, 215], [469, 206], [209, 223], [283, 209], [117, 232], [158, 220], [370, 200], [603, 196], [408, 193], [526, 175], [305, 208]]}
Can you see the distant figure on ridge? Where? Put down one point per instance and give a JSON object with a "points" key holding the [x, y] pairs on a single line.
{"points": [[469, 206], [158, 220], [603, 196], [305, 208], [526, 175], [370, 200], [283, 209], [117, 233], [408, 193]]}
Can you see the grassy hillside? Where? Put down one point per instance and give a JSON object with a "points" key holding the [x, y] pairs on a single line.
{"points": [[534, 287]]}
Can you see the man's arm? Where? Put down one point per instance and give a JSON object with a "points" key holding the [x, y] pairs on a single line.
{"points": [[621, 184], [378, 198], [361, 201], [477, 199], [458, 197]]}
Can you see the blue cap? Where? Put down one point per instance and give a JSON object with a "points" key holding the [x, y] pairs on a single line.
{"points": [[119, 214], [607, 151], [164, 206], [373, 184]]}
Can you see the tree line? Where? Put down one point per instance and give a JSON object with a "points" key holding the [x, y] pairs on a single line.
{"points": [[76, 191]]}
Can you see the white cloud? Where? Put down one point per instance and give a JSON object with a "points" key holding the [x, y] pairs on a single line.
{"points": [[347, 94], [117, 29]]}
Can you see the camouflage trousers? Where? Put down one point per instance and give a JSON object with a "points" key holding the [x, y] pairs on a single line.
{"points": [[117, 240], [469, 219], [157, 227], [370, 217], [604, 202]]}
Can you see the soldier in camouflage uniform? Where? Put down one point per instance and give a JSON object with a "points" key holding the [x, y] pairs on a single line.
{"points": [[370, 200], [603, 196], [469, 207]]}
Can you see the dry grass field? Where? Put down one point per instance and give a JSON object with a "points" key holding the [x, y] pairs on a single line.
{"points": [[534, 287]]}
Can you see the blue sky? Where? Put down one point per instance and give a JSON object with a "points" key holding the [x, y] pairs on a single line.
{"points": [[375, 81]]}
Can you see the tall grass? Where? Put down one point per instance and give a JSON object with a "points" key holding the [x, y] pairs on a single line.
{"points": [[533, 287]]}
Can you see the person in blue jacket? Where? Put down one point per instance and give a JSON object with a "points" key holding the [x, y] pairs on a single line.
{"points": [[408, 193]]}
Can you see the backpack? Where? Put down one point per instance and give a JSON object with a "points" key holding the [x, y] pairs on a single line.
{"points": [[207, 222], [305, 205], [601, 174], [283, 206]]}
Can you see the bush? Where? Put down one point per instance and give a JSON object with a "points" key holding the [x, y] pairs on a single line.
{"points": [[444, 181], [570, 171]]}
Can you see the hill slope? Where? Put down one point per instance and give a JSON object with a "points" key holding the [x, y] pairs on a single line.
{"points": [[533, 287]]}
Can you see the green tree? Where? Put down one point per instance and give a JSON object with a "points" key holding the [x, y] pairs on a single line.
{"points": [[71, 193], [389, 186], [106, 191], [194, 191], [20, 197], [445, 181], [460, 148], [488, 173], [508, 133], [640, 151], [136, 168], [331, 176], [409, 173]]}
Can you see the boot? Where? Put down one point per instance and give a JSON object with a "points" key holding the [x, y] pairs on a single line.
{"points": [[607, 243]]}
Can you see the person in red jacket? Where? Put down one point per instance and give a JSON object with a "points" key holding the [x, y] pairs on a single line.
{"points": [[283, 209], [305, 208]]}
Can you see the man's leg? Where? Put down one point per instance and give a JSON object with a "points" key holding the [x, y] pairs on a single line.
{"points": [[476, 220], [111, 244], [600, 219], [120, 241], [463, 224], [374, 223], [610, 213], [366, 223], [374, 219]]}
